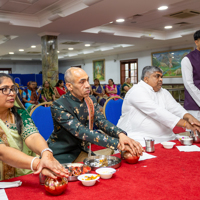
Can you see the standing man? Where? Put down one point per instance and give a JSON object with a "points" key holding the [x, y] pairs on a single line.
{"points": [[73, 116], [190, 66]]}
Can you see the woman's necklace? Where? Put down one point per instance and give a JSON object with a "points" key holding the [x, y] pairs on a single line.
{"points": [[9, 117]]}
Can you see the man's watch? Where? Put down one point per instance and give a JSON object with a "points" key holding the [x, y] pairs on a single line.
{"points": [[47, 149]]}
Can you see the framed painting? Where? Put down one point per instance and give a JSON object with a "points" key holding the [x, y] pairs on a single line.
{"points": [[99, 69], [170, 61]]}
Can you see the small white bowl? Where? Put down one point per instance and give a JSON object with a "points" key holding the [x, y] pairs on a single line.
{"points": [[168, 145], [105, 172], [89, 182]]}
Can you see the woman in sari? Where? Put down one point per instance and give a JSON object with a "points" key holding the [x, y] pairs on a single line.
{"points": [[30, 96], [126, 87], [111, 88], [47, 92], [99, 92], [59, 89], [20, 140]]}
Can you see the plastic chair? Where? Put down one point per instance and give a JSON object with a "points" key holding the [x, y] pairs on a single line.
{"points": [[43, 120], [118, 89], [17, 80], [112, 109]]}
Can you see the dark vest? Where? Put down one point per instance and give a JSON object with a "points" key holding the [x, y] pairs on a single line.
{"points": [[194, 57]]}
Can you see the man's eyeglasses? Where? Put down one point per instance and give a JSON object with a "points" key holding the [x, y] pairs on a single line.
{"points": [[7, 91]]}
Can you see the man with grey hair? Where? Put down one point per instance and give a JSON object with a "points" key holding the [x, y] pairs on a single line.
{"points": [[149, 110], [74, 115]]}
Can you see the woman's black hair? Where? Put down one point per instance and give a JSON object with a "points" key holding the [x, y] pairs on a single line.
{"points": [[96, 79], [14, 109], [112, 80], [59, 82]]}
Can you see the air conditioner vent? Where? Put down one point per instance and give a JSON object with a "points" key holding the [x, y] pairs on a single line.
{"points": [[70, 43], [33, 52], [184, 14]]}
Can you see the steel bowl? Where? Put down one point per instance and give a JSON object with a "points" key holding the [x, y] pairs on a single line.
{"points": [[196, 137], [187, 141], [93, 161]]}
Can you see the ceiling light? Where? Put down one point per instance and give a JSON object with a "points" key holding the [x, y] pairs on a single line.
{"points": [[172, 57], [168, 27], [58, 51], [11, 52], [21, 49], [163, 8], [172, 53], [87, 45], [110, 22], [71, 48], [33, 46], [120, 20]]}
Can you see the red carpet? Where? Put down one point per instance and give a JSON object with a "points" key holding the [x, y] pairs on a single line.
{"points": [[172, 175]]}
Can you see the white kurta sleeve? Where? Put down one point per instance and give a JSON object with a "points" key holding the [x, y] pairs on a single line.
{"points": [[187, 74], [172, 105], [143, 101]]}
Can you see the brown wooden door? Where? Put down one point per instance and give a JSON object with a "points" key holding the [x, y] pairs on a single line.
{"points": [[129, 69]]}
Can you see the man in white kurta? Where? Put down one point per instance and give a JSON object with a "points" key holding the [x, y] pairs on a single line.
{"points": [[148, 111]]}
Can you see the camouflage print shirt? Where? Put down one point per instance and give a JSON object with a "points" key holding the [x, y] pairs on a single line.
{"points": [[71, 129]]}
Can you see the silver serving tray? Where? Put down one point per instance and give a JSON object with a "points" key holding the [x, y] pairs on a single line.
{"points": [[113, 161], [72, 178]]}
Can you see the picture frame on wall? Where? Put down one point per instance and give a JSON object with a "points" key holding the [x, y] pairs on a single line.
{"points": [[99, 69], [170, 61]]}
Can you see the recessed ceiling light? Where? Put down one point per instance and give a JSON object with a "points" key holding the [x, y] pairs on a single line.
{"points": [[110, 22], [163, 8], [58, 51], [87, 45], [168, 27], [33, 46], [71, 48], [21, 49], [120, 20], [11, 52]]}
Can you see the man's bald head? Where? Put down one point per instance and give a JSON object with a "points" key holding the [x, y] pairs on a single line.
{"points": [[77, 82], [73, 72]]}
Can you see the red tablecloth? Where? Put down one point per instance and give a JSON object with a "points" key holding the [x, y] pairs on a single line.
{"points": [[171, 175]]}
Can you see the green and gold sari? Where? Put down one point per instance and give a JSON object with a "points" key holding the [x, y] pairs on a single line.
{"points": [[10, 137]]}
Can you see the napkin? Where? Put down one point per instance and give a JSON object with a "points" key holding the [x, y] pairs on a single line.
{"points": [[10, 184], [3, 195], [188, 148], [146, 156]]}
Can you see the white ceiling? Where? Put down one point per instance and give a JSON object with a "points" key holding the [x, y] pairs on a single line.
{"points": [[88, 22]]}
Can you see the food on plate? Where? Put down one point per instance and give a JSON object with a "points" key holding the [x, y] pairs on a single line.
{"points": [[86, 169], [75, 171], [130, 159], [101, 163], [56, 186]]}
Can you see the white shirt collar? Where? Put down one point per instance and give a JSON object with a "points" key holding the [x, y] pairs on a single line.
{"points": [[146, 85]]}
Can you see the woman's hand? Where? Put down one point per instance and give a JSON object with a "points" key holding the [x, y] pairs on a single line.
{"points": [[54, 167]]}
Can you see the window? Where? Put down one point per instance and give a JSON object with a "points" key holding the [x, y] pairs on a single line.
{"points": [[129, 69], [6, 70]]}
